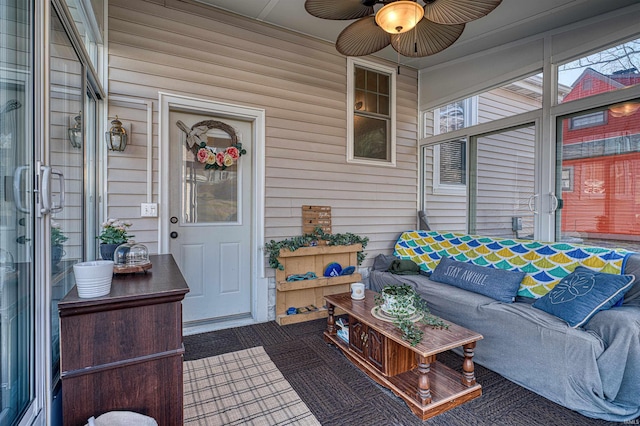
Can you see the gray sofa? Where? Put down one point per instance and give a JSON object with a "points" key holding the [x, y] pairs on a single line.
{"points": [[594, 370]]}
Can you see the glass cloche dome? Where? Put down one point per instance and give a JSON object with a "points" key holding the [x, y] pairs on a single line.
{"points": [[131, 254]]}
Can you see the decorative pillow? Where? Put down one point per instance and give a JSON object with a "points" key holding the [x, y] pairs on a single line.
{"points": [[496, 283], [582, 293], [404, 267], [382, 262]]}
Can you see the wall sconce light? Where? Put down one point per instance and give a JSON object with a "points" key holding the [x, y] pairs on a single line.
{"points": [[75, 132], [116, 136]]}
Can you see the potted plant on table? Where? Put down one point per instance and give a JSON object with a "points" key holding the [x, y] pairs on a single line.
{"points": [[407, 308], [114, 233]]}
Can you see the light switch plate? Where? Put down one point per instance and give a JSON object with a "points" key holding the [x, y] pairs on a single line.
{"points": [[149, 210]]}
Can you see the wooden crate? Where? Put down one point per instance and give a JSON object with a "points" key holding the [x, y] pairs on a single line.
{"points": [[299, 294]]}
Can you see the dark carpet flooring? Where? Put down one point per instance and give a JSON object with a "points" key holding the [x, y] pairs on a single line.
{"points": [[338, 393]]}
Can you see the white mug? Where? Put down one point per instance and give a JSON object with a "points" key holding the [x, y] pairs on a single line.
{"points": [[357, 291]]}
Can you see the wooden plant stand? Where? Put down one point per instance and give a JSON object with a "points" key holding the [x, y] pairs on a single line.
{"points": [[311, 292], [413, 373]]}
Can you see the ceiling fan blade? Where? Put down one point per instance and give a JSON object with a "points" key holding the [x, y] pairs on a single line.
{"points": [[339, 9], [361, 38], [458, 11], [429, 38]]}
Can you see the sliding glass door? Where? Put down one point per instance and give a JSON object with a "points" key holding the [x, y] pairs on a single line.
{"points": [[598, 169], [502, 200], [73, 109], [17, 218]]}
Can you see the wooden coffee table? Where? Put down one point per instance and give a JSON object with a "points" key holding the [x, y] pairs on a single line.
{"points": [[411, 372]]}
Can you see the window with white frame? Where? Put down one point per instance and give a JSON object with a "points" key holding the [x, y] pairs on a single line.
{"points": [[371, 113], [450, 161]]}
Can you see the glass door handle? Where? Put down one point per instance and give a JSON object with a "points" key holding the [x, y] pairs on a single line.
{"points": [[45, 190], [60, 206], [17, 184], [554, 202], [531, 203]]}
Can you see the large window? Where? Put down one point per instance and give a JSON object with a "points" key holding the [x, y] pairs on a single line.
{"points": [[482, 180], [372, 118], [604, 71]]}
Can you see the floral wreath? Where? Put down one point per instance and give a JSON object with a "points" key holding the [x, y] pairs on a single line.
{"points": [[212, 157]]}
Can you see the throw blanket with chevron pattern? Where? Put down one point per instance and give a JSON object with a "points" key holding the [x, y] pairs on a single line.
{"points": [[545, 264]]}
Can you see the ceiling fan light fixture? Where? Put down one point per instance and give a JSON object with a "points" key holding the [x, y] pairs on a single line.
{"points": [[399, 17]]}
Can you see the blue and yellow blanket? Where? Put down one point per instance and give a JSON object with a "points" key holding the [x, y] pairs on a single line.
{"points": [[545, 264]]}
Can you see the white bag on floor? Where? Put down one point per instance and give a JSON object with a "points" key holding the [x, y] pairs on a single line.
{"points": [[122, 418]]}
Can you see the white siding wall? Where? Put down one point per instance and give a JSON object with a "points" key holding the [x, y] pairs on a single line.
{"points": [[300, 82]]}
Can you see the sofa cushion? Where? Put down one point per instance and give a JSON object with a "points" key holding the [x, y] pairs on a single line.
{"points": [[496, 283], [584, 292]]}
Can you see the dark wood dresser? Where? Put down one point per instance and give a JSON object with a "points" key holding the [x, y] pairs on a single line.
{"points": [[124, 351]]}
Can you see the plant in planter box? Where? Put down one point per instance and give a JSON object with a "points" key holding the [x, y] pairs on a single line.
{"points": [[402, 302], [307, 240]]}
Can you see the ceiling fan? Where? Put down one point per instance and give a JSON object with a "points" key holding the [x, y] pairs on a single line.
{"points": [[412, 29]]}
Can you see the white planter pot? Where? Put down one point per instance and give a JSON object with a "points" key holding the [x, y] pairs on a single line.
{"points": [[93, 279], [397, 305]]}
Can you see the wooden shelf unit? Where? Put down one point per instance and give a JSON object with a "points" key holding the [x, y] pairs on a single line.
{"points": [[299, 294]]}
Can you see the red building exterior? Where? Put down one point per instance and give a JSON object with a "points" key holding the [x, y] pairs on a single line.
{"points": [[601, 162]]}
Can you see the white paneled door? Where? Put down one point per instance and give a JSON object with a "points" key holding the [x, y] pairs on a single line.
{"points": [[210, 213]]}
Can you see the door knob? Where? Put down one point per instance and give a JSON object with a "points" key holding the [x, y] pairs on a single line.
{"points": [[173, 234]]}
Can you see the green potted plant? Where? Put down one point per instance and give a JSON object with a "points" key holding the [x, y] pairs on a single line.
{"points": [[57, 239], [292, 244], [402, 303], [114, 233]]}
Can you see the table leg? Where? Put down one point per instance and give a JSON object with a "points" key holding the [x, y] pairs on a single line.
{"points": [[331, 321], [468, 375], [424, 388]]}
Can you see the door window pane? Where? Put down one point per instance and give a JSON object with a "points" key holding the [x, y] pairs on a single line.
{"points": [[17, 293], [88, 17], [68, 174], [598, 173], [209, 195], [504, 178]]}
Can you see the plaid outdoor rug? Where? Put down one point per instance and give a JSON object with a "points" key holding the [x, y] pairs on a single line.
{"points": [[241, 388]]}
